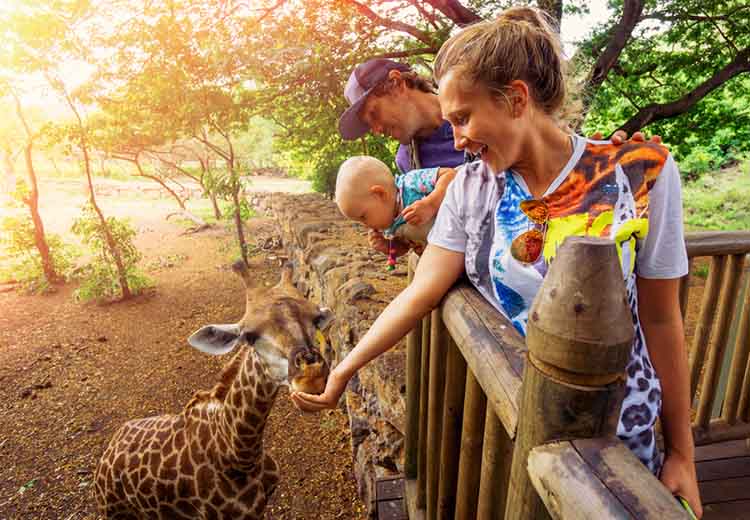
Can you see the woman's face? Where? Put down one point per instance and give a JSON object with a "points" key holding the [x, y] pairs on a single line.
{"points": [[482, 122]]}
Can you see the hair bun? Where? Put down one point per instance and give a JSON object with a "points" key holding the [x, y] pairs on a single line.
{"points": [[534, 17]]}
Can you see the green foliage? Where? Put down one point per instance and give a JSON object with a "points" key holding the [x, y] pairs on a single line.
{"points": [[678, 46], [719, 200], [701, 271], [20, 260], [100, 279]]}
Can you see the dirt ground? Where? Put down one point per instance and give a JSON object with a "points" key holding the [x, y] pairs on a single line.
{"points": [[71, 374]]}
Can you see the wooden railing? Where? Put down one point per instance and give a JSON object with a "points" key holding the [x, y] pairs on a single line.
{"points": [[465, 448]]}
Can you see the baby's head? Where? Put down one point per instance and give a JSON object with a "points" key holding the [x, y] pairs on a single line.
{"points": [[366, 192]]}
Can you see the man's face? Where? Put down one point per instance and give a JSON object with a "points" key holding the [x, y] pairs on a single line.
{"points": [[392, 115]]}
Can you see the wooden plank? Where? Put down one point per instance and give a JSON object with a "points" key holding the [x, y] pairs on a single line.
{"points": [[730, 410], [450, 445], [723, 450], [717, 346], [556, 470], [705, 318], [626, 477], [392, 510], [389, 488], [725, 490], [720, 469], [737, 510], [712, 243], [472, 434], [494, 354], [497, 456], [421, 482], [438, 350]]}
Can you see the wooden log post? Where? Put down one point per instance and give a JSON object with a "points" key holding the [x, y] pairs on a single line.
{"points": [[439, 339], [475, 408], [579, 335], [424, 386], [413, 373], [497, 454], [450, 445]]}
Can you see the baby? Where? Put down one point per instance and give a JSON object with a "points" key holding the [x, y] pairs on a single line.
{"points": [[401, 208]]}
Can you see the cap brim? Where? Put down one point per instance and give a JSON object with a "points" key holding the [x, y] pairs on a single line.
{"points": [[350, 125]]}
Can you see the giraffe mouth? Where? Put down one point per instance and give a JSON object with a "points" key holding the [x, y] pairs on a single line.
{"points": [[308, 372]]}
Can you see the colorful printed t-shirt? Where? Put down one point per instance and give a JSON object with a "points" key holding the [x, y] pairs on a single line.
{"points": [[629, 193], [412, 186]]}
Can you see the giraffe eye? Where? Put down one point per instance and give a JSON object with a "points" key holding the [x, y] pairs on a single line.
{"points": [[250, 337]]}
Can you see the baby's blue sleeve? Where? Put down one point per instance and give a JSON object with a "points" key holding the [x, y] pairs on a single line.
{"points": [[417, 184]]}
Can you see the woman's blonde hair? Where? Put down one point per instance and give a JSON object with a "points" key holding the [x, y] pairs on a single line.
{"points": [[522, 43]]}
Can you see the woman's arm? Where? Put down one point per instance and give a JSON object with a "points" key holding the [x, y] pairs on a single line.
{"points": [[661, 319], [437, 271]]}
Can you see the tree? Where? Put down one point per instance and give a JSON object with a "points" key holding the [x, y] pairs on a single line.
{"points": [[187, 62], [665, 56]]}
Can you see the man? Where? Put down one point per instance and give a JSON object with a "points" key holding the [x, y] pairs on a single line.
{"points": [[389, 98]]}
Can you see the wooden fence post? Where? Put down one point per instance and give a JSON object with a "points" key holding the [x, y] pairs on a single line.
{"points": [[579, 336], [413, 373]]}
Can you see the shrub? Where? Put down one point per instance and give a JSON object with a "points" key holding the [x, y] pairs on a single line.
{"points": [[20, 260], [100, 278]]}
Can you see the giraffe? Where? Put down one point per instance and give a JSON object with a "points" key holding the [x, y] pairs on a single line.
{"points": [[208, 462]]}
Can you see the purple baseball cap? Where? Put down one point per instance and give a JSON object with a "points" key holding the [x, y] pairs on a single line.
{"points": [[364, 78]]}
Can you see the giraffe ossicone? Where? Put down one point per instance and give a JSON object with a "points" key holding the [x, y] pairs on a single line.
{"points": [[208, 461]]}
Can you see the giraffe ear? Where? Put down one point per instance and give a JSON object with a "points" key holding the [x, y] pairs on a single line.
{"points": [[215, 339]]}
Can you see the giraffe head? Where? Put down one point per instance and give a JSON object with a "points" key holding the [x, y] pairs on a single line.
{"points": [[282, 326]]}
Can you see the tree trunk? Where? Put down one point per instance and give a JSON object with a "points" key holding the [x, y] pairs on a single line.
{"points": [[113, 250], [32, 201], [620, 35], [554, 8], [214, 203], [238, 216]]}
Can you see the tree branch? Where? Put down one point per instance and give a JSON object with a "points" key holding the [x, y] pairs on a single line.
{"points": [[458, 13], [631, 15], [391, 24], [668, 17], [656, 112], [412, 52]]}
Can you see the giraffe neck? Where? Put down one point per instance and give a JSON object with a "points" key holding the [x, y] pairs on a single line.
{"points": [[247, 404]]}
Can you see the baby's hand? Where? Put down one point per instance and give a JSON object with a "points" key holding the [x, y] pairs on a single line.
{"points": [[419, 212]]}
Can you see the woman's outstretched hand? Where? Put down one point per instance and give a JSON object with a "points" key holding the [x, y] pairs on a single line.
{"points": [[335, 386]]}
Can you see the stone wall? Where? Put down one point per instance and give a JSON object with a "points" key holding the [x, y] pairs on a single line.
{"points": [[334, 267]]}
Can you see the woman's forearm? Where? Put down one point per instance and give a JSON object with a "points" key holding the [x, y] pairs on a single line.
{"points": [[670, 361], [437, 271], [661, 321]]}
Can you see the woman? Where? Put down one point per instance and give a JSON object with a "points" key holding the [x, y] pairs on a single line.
{"points": [[501, 86]]}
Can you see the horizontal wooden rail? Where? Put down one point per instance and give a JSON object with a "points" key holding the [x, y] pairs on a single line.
{"points": [[596, 479], [492, 348], [714, 243]]}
